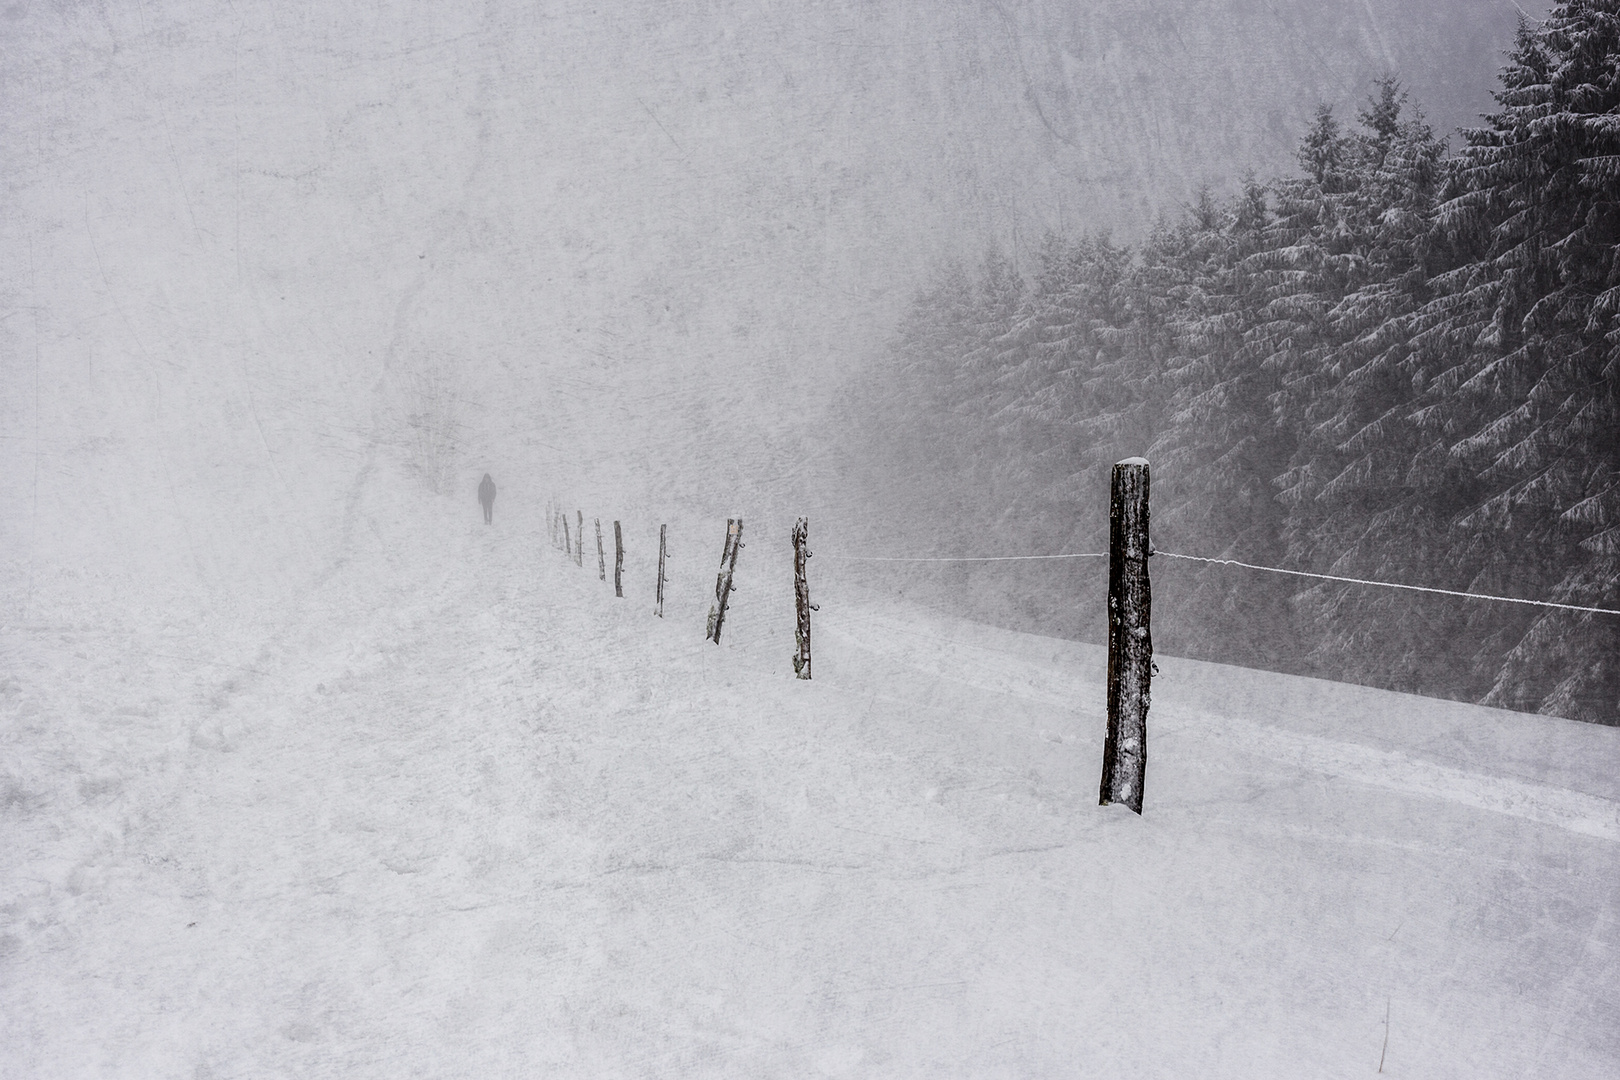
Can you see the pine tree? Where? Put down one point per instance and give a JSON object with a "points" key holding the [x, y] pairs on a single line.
{"points": [[1391, 366], [1530, 404], [1222, 445], [1364, 496]]}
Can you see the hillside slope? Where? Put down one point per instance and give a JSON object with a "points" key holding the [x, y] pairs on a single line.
{"points": [[462, 812]]}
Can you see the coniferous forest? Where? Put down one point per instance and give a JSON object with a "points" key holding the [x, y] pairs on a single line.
{"points": [[1402, 363]]}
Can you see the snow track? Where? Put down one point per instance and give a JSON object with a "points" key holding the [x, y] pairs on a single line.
{"points": [[1062, 673], [460, 812], [1587, 815]]}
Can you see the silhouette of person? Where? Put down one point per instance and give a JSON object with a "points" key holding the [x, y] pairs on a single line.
{"points": [[486, 495]]}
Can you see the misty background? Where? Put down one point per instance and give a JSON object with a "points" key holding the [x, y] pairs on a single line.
{"points": [[258, 261]]}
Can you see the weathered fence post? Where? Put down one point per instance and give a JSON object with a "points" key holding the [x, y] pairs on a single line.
{"points": [[618, 561], [579, 548], [801, 598], [659, 610], [601, 560], [568, 542], [1130, 642], [722, 585]]}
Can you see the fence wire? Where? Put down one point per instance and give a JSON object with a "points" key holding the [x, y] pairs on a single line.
{"points": [[964, 558], [1551, 604], [1390, 584], [1230, 562]]}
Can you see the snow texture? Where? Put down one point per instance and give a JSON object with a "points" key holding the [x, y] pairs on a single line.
{"points": [[462, 812], [306, 771]]}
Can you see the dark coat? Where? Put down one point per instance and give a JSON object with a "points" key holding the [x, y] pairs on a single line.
{"points": [[486, 490]]}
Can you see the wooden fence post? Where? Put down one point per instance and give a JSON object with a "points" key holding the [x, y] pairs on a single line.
{"points": [[801, 598], [723, 585], [579, 548], [1130, 642], [618, 561], [568, 542], [659, 610], [601, 561]]}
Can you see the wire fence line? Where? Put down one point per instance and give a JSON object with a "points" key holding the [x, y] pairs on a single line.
{"points": [[1232, 562], [1551, 604], [1391, 584], [963, 558]]}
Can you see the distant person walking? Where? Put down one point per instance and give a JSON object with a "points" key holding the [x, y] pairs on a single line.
{"points": [[486, 495]]}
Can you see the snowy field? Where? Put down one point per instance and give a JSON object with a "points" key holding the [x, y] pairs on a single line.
{"points": [[458, 812], [305, 772]]}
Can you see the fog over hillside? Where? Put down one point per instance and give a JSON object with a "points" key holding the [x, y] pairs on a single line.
{"points": [[310, 766], [625, 249]]}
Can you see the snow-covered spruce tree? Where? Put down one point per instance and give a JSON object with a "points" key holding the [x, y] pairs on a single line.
{"points": [[1221, 446], [979, 393], [1369, 493], [1011, 363], [972, 394], [923, 449], [1004, 409], [1420, 354], [1259, 279], [1080, 390], [1086, 368], [1532, 407]]}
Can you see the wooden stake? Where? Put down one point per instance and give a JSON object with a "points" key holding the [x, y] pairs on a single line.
{"points": [[659, 610], [601, 560], [568, 543], [801, 598], [1130, 642], [579, 548], [618, 561], [723, 585]]}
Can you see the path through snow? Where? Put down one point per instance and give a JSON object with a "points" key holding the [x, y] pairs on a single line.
{"points": [[462, 813]]}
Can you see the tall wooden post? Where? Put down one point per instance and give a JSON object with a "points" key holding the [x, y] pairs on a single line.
{"points": [[601, 560], [618, 561], [801, 598], [1130, 642], [662, 532], [579, 548], [723, 585], [568, 543]]}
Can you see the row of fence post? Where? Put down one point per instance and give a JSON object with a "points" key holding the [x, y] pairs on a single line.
{"points": [[1130, 639], [563, 537]]}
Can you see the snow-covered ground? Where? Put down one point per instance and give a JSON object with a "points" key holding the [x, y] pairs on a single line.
{"points": [[458, 811], [306, 772]]}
